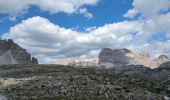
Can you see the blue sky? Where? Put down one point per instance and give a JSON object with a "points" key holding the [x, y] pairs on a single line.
{"points": [[55, 29], [107, 11]]}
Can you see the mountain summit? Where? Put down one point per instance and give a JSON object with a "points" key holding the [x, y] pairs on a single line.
{"points": [[12, 53]]}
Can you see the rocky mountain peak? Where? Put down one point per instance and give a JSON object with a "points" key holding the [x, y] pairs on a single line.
{"points": [[9, 45], [116, 56], [109, 50], [124, 51], [123, 57], [12, 53], [77, 62]]}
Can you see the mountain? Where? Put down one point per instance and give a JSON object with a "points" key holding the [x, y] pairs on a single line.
{"points": [[83, 62], [12, 53], [122, 57]]}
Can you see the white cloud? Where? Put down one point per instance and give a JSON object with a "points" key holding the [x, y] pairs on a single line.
{"points": [[148, 8], [67, 6], [13, 7], [88, 29], [154, 15], [131, 13], [47, 40], [154, 48], [16, 7], [85, 12]]}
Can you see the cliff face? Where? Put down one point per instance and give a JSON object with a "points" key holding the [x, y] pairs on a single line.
{"points": [[12, 53], [122, 57], [116, 57]]}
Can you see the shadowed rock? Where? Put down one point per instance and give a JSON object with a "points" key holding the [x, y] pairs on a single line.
{"points": [[12, 53], [122, 57]]}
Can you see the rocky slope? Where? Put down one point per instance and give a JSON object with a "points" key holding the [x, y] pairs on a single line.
{"points": [[12, 53], [56, 82], [121, 57]]}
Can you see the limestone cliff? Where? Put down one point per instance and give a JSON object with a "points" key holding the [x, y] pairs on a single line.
{"points": [[121, 57], [12, 53]]}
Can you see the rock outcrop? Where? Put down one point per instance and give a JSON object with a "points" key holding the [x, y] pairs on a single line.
{"points": [[123, 57], [12, 53], [165, 65]]}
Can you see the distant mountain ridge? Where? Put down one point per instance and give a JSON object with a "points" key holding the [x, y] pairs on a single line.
{"points": [[122, 57], [12, 53], [77, 62], [115, 58]]}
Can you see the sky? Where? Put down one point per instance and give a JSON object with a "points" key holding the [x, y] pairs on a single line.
{"points": [[56, 29]]}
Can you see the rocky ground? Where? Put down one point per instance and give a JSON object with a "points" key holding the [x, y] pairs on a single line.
{"points": [[56, 82]]}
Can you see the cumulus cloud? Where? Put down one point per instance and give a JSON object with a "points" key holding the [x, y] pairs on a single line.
{"points": [[148, 8], [47, 40], [15, 7], [131, 13], [154, 48], [154, 15], [86, 14]]}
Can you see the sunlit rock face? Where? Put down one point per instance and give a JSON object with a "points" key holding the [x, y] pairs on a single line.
{"points": [[122, 57], [12, 53], [77, 62]]}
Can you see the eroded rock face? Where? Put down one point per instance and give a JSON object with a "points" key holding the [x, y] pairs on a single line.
{"points": [[122, 57], [34, 60], [116, 57], [12, 53]]}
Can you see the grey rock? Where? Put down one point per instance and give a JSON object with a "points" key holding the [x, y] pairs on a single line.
{"points": [[163, 57], [122, 57], [165, 65], [34, 60], [116, 57], [12, 53], [48, 82]]}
